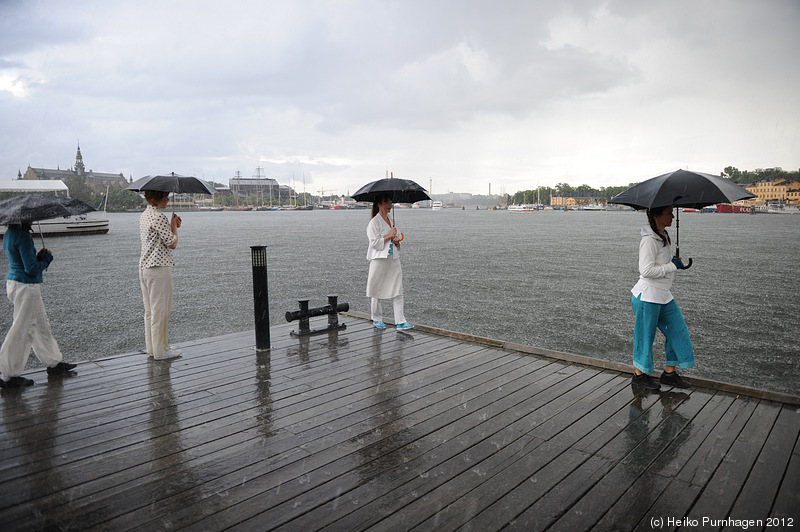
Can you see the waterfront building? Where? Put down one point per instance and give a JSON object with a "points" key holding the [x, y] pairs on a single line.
{"points": [[775, 191], [569, 200], [97, 181]]}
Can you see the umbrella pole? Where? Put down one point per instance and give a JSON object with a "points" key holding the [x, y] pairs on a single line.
{"points": [[678, 233], [40, 233]]}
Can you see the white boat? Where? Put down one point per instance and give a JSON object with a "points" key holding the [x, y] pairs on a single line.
{"points": [[592, 207], [525, 207], [92, 223], [436, 206], [772, 208]]}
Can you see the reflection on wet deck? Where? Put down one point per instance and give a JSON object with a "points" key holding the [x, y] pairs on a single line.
{"points": [[377, 429]]}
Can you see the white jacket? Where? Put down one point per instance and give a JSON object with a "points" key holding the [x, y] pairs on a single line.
{"points": [[377, 229], [655, 261]]}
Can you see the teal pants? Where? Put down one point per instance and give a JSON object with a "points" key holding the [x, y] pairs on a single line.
{"points": [[669, 320]]}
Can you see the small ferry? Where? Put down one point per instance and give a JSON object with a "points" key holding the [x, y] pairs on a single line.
{"points": [[436, 205], [591, 207], [525, 207]]}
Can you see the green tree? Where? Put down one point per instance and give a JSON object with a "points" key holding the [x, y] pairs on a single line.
{"points": [[121, 199], [732, 173], [78, 189], [563, 188]]}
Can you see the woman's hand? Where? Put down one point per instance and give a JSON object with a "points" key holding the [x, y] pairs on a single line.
{"points": [[175, 223]]}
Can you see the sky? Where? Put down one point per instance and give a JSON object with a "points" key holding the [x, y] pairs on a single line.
{"points": [[460, 96]]}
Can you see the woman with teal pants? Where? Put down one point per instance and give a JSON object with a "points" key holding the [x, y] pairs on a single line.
{"points": [[655, 308]]}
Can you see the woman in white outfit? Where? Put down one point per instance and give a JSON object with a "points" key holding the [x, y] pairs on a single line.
{"points": [[385, 279]]}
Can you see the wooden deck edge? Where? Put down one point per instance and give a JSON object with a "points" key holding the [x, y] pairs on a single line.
{"points": [[597, 363]]}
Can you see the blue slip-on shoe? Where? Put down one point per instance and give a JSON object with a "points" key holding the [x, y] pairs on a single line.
{"points": [[379, 324], [404, 326]]}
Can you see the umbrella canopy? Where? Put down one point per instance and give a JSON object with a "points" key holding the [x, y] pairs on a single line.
{"points": [[681, 188], [35, 207], [172, 182], [399, 190]]}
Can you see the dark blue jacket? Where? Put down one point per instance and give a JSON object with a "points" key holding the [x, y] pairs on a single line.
{"points": [[23, 266]]}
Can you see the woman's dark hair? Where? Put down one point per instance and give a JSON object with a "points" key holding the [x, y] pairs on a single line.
{"points": [[154, 197], [378, 200], [651, 218]]}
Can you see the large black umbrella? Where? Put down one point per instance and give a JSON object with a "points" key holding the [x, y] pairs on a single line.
{"points": [[681, 188], [172, 182], [399, 190], [34, 207]]}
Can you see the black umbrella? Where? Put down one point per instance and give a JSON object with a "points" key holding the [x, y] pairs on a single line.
{"points": [[681, 188], [172, 182], [399, 190], [34, 207]]}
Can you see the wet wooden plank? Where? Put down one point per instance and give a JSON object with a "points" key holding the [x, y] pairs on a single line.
{"points": [[765, 478], [380, 429]]}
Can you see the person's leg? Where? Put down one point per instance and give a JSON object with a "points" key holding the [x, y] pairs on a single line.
{"points": [[144, 281], [398, 305], [44, 345], [375, 309], [16, 347], [644, 334], [678, 345]]}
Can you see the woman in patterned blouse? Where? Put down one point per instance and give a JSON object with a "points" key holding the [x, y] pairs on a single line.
{"points": [[159, 237]]}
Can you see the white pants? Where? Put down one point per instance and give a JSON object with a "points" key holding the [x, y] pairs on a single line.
{"points": [[30, 329], [157, 298], [397, 303]]}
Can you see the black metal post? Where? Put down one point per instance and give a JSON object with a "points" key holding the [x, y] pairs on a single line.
{"points": [[333, 316], [260, 296], [304, 326]]}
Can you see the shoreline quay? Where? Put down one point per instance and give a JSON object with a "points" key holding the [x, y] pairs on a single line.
{"points": [[757, 393]]}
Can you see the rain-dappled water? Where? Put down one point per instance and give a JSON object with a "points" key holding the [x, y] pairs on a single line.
{"points": [[555, 280]]}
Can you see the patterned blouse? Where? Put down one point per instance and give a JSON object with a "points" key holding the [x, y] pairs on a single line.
{"points": [[156, 235]]}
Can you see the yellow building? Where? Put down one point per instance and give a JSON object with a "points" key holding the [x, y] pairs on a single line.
{"points": [[778, 191]]}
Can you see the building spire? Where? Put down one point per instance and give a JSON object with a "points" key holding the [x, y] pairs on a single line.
{"points": [[79, 168]]}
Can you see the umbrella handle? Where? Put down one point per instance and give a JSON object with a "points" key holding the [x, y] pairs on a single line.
{"points": [[402, 236], [688, 265]]}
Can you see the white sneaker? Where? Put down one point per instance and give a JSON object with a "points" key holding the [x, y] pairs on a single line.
{"points": [[172, 353]]}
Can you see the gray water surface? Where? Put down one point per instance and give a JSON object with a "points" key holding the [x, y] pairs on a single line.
{"points": [[551, 279]]}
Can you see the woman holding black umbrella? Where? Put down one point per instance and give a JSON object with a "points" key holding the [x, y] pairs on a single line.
{"points": [[30, 327], [655, 308], [159, 237], [385, 280]]}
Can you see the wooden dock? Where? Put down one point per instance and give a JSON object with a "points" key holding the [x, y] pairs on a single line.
{"points": [[380, 430]]}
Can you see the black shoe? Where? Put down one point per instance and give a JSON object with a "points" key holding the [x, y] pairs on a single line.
{"points": [[646, 381], [673, 379], [61, 368], [16, 382]]}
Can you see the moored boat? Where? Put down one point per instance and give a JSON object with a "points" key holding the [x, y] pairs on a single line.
{"points": [[525, 207], [737, 209]]}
